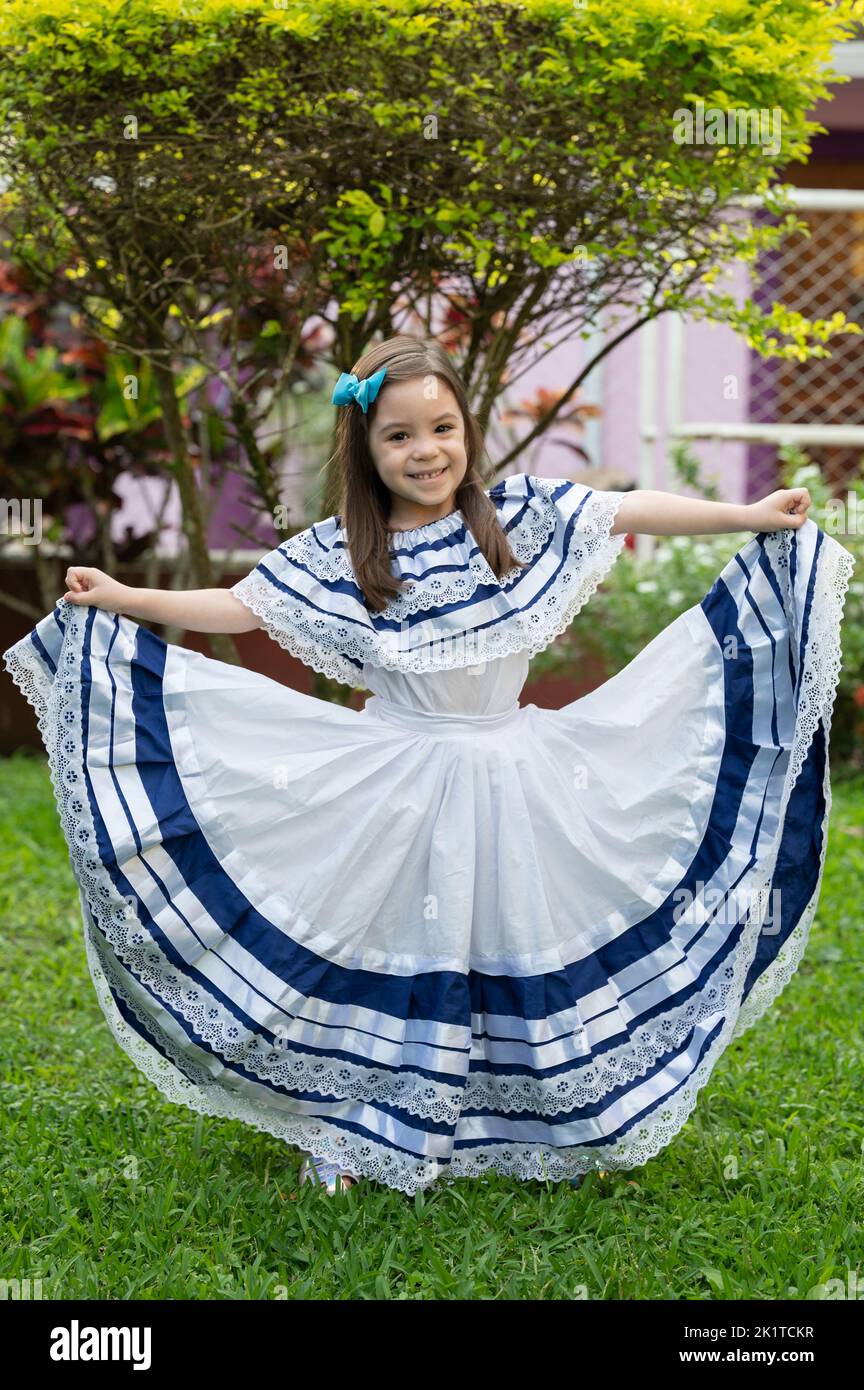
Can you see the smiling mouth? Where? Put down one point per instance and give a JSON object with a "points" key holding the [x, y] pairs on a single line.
{"points": [[430, 473]]}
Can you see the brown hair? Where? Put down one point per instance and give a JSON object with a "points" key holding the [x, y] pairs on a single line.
{"points": [[364, 500]]}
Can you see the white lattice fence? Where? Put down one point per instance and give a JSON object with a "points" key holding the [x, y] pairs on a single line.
{"points": [[734, 408]]}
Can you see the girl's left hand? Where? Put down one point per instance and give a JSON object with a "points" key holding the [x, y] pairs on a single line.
{"points": [[786, 508]]}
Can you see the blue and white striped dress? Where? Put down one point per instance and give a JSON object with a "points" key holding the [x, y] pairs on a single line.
{"points": [[449, 934]]}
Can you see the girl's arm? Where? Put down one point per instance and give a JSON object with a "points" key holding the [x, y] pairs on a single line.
{"points": [[650, 513], [196, 610]]}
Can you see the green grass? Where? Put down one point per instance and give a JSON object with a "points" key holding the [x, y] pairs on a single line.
{"points": [[110, 1192]]}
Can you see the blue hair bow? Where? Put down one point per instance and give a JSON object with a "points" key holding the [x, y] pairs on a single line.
{"points": [[349, 388]]}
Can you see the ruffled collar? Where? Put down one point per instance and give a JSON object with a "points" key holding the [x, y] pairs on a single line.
{"points": [[419, 532], [453, 610]]}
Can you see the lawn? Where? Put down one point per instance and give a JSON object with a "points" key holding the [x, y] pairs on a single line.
{"points": [[111, 1192]]}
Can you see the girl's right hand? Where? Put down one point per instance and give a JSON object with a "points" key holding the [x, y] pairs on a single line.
{"points": [[94, 588]]}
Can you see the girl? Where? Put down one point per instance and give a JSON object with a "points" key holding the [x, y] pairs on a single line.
{"points": [[447, 933]]}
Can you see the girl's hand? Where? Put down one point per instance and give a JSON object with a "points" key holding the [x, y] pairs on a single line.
{"points": [[90, 587], [786, 508]]}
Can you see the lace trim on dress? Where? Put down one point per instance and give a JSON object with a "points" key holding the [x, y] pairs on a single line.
{"points": [[57, 705]]}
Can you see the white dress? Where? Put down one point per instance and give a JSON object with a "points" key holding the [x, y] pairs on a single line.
{"points": [[449, 933]]}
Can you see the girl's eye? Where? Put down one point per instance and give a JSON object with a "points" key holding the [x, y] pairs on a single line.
{"points": [[399, 433]]}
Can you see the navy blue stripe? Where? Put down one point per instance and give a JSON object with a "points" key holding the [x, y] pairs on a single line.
{"points": [[599, 1048], [590, 1110], [422, 1126], [769, 573], [808, 604], [114, 778], [738, 755], [794, 660], [332, 586], [763, 566], [43, 652], [798, 860]]}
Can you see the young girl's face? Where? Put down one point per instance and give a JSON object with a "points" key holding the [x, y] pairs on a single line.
{"points": [[417, 442]]}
